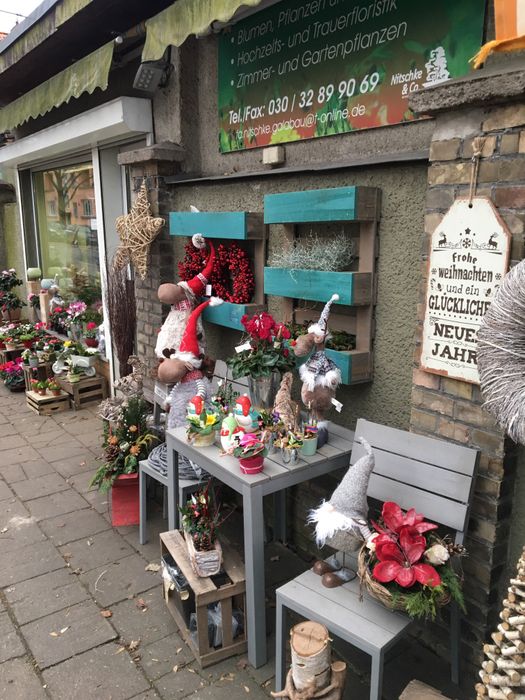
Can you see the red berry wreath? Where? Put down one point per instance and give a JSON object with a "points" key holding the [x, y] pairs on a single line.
{"points": [[232, 278]]}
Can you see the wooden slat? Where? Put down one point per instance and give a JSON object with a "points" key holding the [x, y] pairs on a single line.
{"points": [[211, 224], [442, 482], [319, 285], [435, 508], [439, 452], [174, 543], [226, 615], [230, 315]]}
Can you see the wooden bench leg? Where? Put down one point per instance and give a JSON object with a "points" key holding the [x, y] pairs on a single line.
{"points": [[143, 533], [281, 630], [455, 632], [376, 680]]}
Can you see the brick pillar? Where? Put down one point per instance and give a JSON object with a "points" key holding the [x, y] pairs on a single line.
{"points": [[153, 163], [449, 408]]}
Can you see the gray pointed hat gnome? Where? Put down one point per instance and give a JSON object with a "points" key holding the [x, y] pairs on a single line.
{"points": [[345, 514]]}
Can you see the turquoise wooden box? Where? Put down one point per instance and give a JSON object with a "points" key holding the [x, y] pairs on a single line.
{"points": [[317, 285], [230, 315], [355, 365], [333, 204], [231, 225]]}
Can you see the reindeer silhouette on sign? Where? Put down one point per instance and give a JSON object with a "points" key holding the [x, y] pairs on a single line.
{"points": [[492, 242], [442, 241]]}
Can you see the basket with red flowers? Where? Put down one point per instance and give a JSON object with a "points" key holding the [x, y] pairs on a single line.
{"points": [[407, 566]]}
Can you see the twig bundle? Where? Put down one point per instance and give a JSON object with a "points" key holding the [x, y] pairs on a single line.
{"points": [[122, 316], [501, 354]]}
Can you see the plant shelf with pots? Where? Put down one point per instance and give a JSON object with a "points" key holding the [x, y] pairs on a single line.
{"points": [[354, 312], [229, 226]]}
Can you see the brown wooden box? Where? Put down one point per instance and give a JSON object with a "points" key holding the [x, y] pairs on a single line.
{"points": [[84, 391], [48, 404], [42, 372], [205, 591]]}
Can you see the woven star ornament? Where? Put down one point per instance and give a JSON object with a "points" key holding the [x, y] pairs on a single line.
{"points": [[136, 231]]}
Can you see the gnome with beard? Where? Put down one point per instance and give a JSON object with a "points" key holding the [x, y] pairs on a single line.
{"points": [[183, 298], [342, 522]]}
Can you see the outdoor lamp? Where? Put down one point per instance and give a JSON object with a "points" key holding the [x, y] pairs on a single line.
{"points": [[153, 74]]}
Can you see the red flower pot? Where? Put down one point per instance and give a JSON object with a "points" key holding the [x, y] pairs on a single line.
{"points": [[252, 465], [125, 500], [27, 344], [91, 342]]}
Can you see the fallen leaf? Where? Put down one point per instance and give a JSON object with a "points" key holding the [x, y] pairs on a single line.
{"points": [[175, 668], [133, 645], [152, 566], [61, 524], [227, 677], [120, 650], [67, 556], [137, 658], [64, 629], [242, 663], [53, 634], [266, 683], [89, 543], [191, 670], [275, 558], [106, 613], [141, 604], [4, 529], [179, 650], [82, 464], [246, 689]]}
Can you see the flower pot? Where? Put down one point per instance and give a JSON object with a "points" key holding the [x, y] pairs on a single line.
{"points": [[309, 447], [125, 500], [203, 440], [33, 362], [263, 390], [41, 392], [290, 455], [56, 392], [91, 342], [73, 378], [204, 563], [251, 465], [10, 346]]}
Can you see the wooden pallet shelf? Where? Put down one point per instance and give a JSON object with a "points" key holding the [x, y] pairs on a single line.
{"points": [[354, 288], [231, 225], [84, 391], [48, 404]]}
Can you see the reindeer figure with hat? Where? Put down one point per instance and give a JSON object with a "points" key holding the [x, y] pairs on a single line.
{"points": [[320, 375], [183, 298], [184, 368]]}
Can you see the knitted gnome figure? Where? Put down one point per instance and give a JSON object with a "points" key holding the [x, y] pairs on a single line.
{"points": [[185, 369], [341, 522], [183, 297]]}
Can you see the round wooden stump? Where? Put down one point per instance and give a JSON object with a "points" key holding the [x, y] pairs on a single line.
{"points": [[311, 652]]}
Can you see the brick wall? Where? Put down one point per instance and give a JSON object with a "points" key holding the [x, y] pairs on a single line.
{"points": [[452, 409]]}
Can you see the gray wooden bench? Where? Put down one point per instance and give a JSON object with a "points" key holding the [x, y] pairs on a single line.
{"points": [[432, 476]]}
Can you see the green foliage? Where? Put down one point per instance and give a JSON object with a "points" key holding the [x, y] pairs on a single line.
{"points": [[423, 602], [259, 363]]}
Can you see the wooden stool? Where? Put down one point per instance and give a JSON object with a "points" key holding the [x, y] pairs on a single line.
{"points": [[85, 390], [228, 590]]}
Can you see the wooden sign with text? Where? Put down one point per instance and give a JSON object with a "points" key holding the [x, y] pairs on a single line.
{"points": [[469, 256]]}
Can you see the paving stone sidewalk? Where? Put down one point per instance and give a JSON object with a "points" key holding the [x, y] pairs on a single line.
{"points": [[62, 564]]}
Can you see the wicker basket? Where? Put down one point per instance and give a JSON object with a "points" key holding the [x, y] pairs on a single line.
{"points": [[378, 591], [204, 563]]}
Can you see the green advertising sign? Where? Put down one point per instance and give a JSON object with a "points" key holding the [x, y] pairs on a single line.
{"points": [[301, 70]]}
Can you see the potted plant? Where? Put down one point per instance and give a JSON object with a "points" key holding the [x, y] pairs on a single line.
{"points": [[53, 387], [12, 375], [265, 357], [200, 520], [11, 306], [30, 358], [309, 446], [272, 428], [79, 354], [10, 343], [73, 321], [27, 339], [250, 452], [2, 341], [290, 444], [201, 429], [41, 387], [74, 374], [90, 335], [9, 279], [406, 566], [124, 446]]}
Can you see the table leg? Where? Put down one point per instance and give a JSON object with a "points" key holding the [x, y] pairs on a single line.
{"points": [[279, 506], [173, 489], [143, 535], [281, 635], [254, 560]]}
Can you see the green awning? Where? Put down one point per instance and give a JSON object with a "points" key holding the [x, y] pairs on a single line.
{"points": [[173, 26], [85, 75]]}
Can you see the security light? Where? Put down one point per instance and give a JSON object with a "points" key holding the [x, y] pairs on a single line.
{"points": [[153, 74]]}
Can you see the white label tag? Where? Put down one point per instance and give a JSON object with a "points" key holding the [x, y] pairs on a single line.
{"points": [[338, 405], [243, 347], [160, 393], [208, 290]]}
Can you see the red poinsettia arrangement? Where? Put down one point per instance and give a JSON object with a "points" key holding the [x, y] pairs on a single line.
{"points": [[411, 562]]}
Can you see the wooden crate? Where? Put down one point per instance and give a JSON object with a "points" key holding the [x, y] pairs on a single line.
{"points": [[47, 405], [84, 391], [42, 372], [8, 355], [206, 591]]}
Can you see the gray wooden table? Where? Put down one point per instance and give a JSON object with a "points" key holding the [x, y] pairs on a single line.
{"points": [[274, 479]]}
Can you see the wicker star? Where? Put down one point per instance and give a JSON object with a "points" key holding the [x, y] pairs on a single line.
{"points": [[136, 231]]}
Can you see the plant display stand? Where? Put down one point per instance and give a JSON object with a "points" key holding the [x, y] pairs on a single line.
{"points": [[42, 372], [354, 312], [48, 404], [228, 226], [85, 390], [229, 590]]}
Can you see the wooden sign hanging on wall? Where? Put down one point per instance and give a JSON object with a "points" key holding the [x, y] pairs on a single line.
{"points": [[469, 254]]}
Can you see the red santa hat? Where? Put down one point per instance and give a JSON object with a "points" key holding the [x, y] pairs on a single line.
{"points": [[245, 404], [197, 285], [189, 345], [198, 404]]}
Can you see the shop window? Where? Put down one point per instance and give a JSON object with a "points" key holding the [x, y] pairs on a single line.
{"points": [[66, 230]]}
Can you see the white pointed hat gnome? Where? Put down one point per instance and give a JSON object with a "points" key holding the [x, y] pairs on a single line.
{"points": [[319, 370], [189, 350], [341, 522]]}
